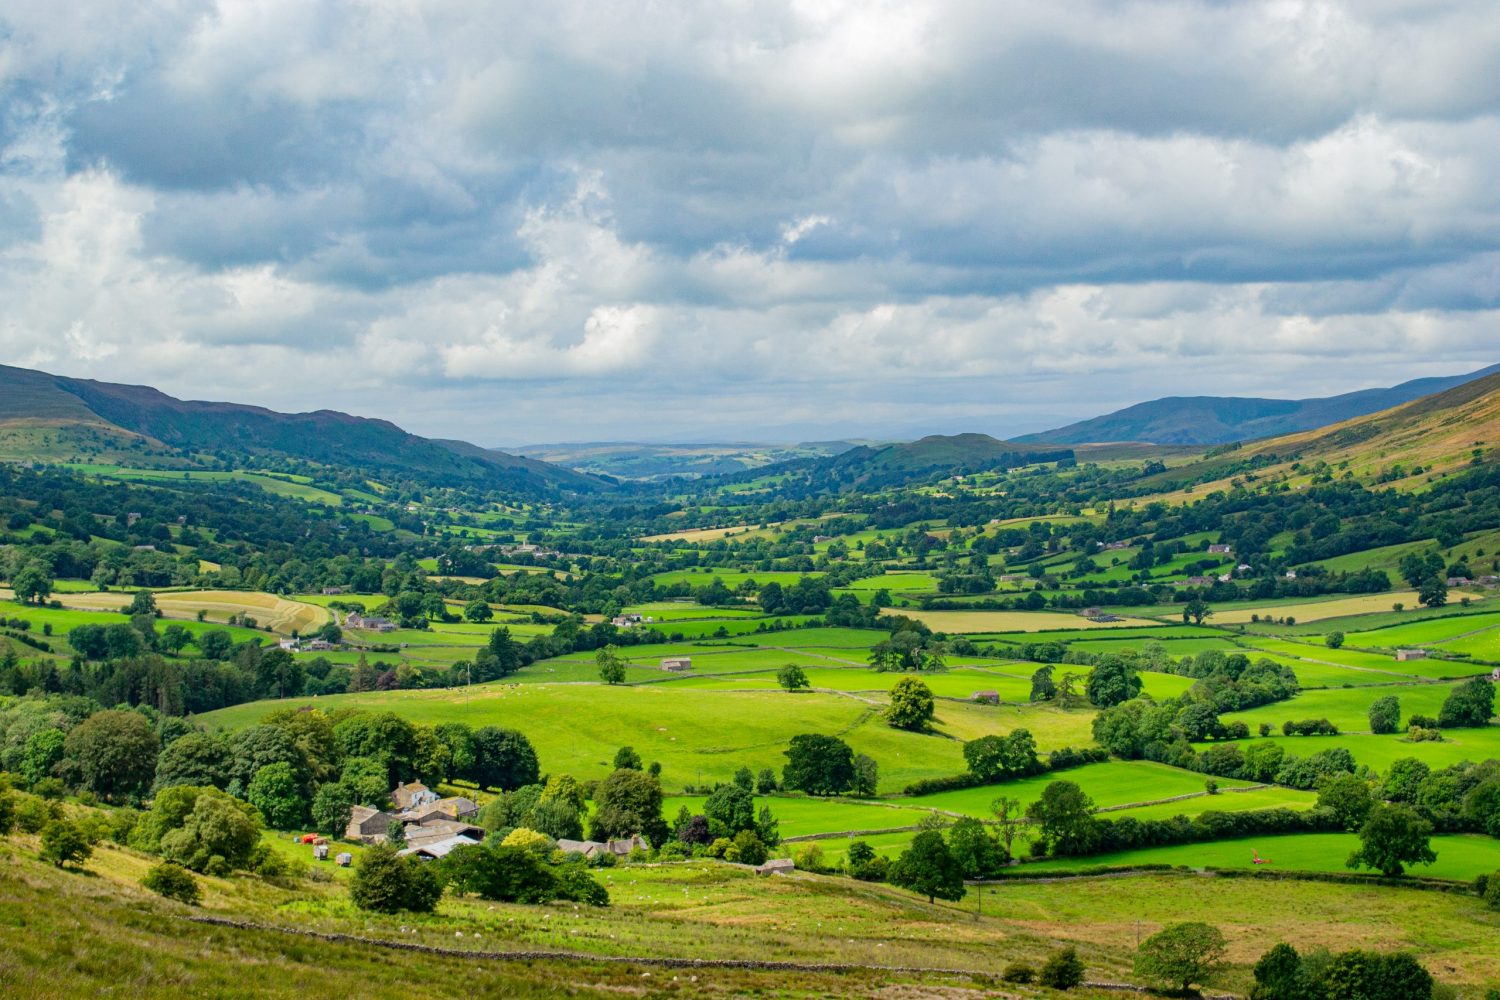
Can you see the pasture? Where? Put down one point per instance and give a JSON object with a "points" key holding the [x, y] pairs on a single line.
{"points": [[1317, 611], [984, 622]]}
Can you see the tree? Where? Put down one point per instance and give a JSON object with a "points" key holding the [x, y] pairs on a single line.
{"points": [[216, 836], [1112, 681], [32, 583], [628, 802], [279, 796], [627, 757], [1279, 975], [1333, 640], [1065, 816], [142, 602], [1182, 954], [1196, 611], [63, 842], [1370, 975], [215, 644], [994, 758], [331, 808], [1062, 970], [503, 759], [929, 869], [44, 749], [792, 678], [385, 882], [866, 775], [1043, 687], [1385, 715], [611, 666], [1011, 818], [731, 806], [975, 849], [114, 754], [765, 781], [174, 637], [174, 882], [747, 849], [1433, 592], [818, 765], [911, 706], [478, 612], [1393, 837], [1348, 797], [1471, 704]]}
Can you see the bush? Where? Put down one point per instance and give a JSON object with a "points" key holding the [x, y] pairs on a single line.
{"points": [[1492, 892], [1062, 971], [1181, 955], [174, 882], [1018, 972], [64, 842], [387, 883]]}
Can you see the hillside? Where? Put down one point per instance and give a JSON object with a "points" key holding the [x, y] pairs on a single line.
{"points": [[1208, 420], [53, 418], [637, 460]]}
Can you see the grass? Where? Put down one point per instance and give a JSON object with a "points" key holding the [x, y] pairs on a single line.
{"points": [[278, 613], [1112, 783], [1346, 708], [1459, 856], [1312, 611], [975, 622]]}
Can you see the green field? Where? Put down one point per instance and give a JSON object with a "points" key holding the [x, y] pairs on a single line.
{"points": [[1458, 856]]}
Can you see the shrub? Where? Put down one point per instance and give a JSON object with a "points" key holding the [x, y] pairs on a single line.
{"points": [[387, 883], [1492, 892], [64, 842], [1018, 972], [1063, 970], [174, 882]]}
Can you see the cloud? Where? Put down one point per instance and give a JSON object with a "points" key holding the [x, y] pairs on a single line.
{"points": [[768, 217]]}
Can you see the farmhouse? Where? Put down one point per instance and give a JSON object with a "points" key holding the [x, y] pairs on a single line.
{"points": [[368, 826], [332, 591], [677, 663], [986, 697], [318, 645], [594, 848], [1291, 574], [1221, 550], [1200, 581], [412, 794], [439, 830], [1115, 546], [370, 623], [454, 808], [626, 621], [432, 850], [291, 645], [1460, 581], [820, 539], [1403, 655]]}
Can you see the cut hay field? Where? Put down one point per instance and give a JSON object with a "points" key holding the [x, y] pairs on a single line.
{"points": [[1458, 856], [976, 622], [1317, 611], [279, 613]]}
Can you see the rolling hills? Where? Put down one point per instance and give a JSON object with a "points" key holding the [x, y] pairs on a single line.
{"points": [[1209, 420], [55, 418]]}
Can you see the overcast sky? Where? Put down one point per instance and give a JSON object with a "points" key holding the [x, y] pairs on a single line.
{"points": [[525, 222]]}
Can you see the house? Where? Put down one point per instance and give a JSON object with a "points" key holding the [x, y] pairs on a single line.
{"points": [[433, 850], [1225, 577], [1489, 581], [411, 794], [370, 623], [368, 826], [820, 539], [455, 808], [1091, 612], [1200, 581], [593, 848], [1220, 550], [318, 645], [1116, 546], [1291, 574], [1460, 581], [776, 866], [986, 697], [1402, 655], [626, 621], [677, 663], [434, 830], [1495, 675], [291, 645], [332, 591]]}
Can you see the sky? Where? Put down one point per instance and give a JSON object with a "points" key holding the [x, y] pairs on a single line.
{"points": [[585, 220]]}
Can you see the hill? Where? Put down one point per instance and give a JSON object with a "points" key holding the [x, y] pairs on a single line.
{"points": [[869, 467], [637, 460], [1209, 420], [55, 418]]}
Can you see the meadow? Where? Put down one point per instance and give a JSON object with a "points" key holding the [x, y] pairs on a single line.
{"points": [[268, 610]]}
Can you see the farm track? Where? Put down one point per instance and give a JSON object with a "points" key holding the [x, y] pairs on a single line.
{"points": [[665, 962]]}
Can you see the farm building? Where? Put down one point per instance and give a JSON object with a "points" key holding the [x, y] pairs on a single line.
{"points": [[1460, 581], [1091, 612], [412, 794], [1495, 675], [318, 645], [455, 808], [1403, 655], [986, 697], [368, 826], [434, 849], [1200, 581], [332, 591], [370, 623], [776, 866], [432, 830], [677, 663], [1221, 550], [292, 645], [627, 621], [594, 848], [820, 539]]}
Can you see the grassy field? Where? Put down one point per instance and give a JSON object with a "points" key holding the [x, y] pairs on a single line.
{"points": [[1316, 611], [984, 622], [1346, 708], [1459, 856]]}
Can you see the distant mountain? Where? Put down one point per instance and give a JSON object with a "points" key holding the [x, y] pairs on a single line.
{"points": [[60, 418], [636, 460], [881, 466], [1210, 420]]}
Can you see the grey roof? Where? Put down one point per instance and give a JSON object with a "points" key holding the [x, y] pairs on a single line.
{"points": [[439, 848]]}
